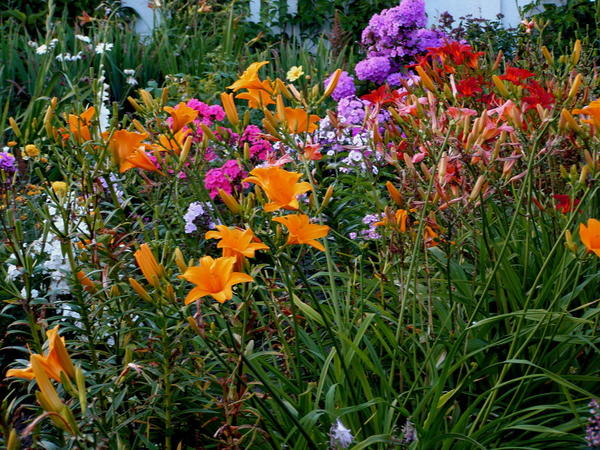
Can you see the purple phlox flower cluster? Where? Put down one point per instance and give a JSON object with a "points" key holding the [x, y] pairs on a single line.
{"points": [[392, 39], [351, 110], [344, 88], [409, 433], [375, 69], [7, 163], [197, 210], [257, 146], [592, 430], [115, 184], [370, 232], [224, 177]]}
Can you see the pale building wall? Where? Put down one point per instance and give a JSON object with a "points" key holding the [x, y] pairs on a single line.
{"points": [[487, 9]]}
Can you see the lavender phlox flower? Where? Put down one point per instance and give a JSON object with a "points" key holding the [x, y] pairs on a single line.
{"points": [[195, 211], [592, 430], [344, 88], [409, 433], [7, 163]]}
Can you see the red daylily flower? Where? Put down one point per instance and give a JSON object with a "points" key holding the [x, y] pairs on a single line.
{"points": [[564, 203], [516, 75]]}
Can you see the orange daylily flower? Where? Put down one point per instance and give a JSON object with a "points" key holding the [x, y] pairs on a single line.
{"points": [[57, 360], [79, 125], [592, 110], [301, 231], [236, 242], [259, 95], [174, 143], [181, 114], [248, 78], [399, 220], [312, 152], [590, 235], [151, 269], [214, 277], [281, 187], [299, 121], [128, 151]]}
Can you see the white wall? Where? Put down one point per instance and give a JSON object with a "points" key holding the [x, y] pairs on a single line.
{"points": [[488, 9]]}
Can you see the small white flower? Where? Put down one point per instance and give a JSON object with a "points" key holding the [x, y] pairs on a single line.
{"points": [[103, 47], [355, 155], [13, 272], [63, 57], [129, 72], [339, 435], [131, 81], [83, 38], [32, 44], [42, 49]]}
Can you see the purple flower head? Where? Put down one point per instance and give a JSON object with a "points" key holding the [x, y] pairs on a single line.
{"points": [[393, 38], [197, 210], [351, 110], [7, 163], [345, 86], [592, 430], [374, 69]]}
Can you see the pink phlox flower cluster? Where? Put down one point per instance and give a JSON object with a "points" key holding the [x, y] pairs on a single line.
{"points": [[257, 145], [224, 177]]}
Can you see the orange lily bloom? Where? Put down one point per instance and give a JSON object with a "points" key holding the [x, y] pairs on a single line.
{"points": [[299, 121], [592, 110], [175, 143], [301, 231], [259, 95], [281, 187], [590, 235], [79, 125], [181, 114], [399, 220], [230, 109], [249, 77], [214, 277], [236, 242], [151, 269], [128, 151], [312, 152], [57, 360]]}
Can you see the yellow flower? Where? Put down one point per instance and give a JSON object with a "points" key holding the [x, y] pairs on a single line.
{"points": [[31, 151], [301, 231], [590, 235], [215, 278], [281, 187], [151, 269], [294, 73], [59, 188]]}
